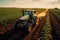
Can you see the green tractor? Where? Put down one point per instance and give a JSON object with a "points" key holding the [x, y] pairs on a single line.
{"points": [[27, 21]]}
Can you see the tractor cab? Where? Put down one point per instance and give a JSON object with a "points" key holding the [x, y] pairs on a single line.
{"points": [[28, 12], [27, 15]]}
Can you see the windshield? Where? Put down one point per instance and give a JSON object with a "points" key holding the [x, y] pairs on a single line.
{"points": [[27, 12]]}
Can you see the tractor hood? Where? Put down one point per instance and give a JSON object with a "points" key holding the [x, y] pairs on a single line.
{"points": [[26, 17]]}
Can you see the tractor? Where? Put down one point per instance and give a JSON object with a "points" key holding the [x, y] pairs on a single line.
{"points": [[27, 21]]}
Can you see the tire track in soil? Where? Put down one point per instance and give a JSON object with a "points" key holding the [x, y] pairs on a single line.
{"points": [[55, 27], [37, 34]]}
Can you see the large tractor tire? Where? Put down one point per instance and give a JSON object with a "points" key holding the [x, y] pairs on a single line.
{"points": [[18, 27]]}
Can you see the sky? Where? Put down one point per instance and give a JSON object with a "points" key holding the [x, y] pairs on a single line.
{"points": [[30, 3]]}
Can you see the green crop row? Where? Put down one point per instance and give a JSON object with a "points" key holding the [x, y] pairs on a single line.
{"points": [[8, 15], [56, 12], [7, 19], [47, 29]]}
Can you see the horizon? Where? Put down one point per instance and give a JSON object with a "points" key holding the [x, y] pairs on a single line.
{"points": [[30, 3]]}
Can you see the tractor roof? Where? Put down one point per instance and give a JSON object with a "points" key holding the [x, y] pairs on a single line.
{"points": [[28, 10]]}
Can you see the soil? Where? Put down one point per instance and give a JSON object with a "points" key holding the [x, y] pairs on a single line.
{"points": [[55, 27]]}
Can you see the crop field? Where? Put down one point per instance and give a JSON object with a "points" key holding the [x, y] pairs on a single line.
{"points": [[47, 25], [8, 15], [56, 13], [55, 23]]}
